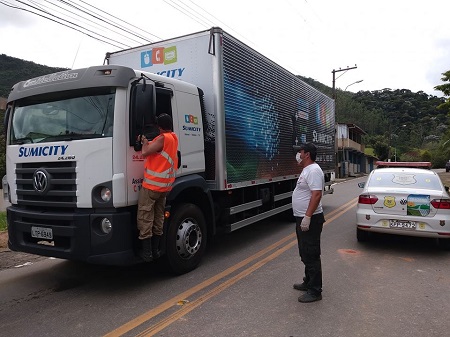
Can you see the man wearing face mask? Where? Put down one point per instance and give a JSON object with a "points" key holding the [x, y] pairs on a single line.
{"points": [[308, 213]]}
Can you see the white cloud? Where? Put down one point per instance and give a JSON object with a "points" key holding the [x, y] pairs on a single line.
{"points": [[395, 44]]}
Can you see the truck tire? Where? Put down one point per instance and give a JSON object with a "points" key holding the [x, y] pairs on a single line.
{"points": [[186, 238]]}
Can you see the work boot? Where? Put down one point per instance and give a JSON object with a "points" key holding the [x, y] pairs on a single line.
{"points": [[300, 286], [155, 246], [309, 297], [146, 250]]}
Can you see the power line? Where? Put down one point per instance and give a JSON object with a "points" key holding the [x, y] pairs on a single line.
{"points": [[87, 22], [77, 15], [77, 22], [187, 13], [223, 24], [157, 37], [61, 23], [103, 20], [69, 22]]}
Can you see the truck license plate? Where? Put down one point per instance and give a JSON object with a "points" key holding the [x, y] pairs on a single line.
{"points": [[402, 224], [41, 233]]}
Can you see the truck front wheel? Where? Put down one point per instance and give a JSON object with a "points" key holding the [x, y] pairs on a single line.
{"points": [[186, 238]]}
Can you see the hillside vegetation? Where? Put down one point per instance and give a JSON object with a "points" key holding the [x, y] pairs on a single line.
{"points": [[13, 70], [410, 122]]}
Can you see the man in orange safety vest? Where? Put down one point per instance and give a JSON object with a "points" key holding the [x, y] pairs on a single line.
{"points": [[161, 162]]}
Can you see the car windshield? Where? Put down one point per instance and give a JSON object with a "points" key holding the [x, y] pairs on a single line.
{"points": [[46, 119], [405, 179]]}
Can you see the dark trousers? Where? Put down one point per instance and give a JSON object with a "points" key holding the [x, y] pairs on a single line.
{"points": [[309, 249]]}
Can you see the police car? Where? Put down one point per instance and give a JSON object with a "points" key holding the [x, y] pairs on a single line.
{"points": [[404, 199]]}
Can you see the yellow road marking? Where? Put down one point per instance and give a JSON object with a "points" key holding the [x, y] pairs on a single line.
{"points": [[202, 299], [195, 303], [168, 304]]}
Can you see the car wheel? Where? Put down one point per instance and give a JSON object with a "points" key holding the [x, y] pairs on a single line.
{"points": [[362, 236], [444, 244], [186, 238]]}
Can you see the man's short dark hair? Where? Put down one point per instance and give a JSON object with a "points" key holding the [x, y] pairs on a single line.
{"points": [[311, 148], [165, 122]]}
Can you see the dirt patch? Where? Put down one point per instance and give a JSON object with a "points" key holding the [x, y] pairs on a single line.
{"points": [[3, 240], [10, 259]]}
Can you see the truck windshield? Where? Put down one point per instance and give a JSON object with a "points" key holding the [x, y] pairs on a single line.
{"points": [[43, 119]]}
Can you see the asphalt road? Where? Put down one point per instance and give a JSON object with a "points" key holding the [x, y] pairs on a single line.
{"points": [[392, 286]]}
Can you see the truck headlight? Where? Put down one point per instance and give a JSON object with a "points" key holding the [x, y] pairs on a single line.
{"points": [[106, 226], [105, 194]]}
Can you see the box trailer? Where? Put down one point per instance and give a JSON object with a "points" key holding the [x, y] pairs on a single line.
{"points": [[74, 173]]}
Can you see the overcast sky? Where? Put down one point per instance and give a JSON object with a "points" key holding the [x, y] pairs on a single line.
{"points": [[396, 44]]}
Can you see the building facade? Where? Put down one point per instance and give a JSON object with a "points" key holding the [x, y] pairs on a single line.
{"points": [[350, 157]]}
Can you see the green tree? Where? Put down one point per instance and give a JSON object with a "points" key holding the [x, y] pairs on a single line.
{"points": [[380, 146], [442, 152], [445, 88]]}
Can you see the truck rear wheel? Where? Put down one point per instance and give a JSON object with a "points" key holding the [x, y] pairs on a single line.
{"points": [[186, 238]]}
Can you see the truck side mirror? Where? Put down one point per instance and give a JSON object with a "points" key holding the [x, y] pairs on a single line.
{"points": [[142, 110]]}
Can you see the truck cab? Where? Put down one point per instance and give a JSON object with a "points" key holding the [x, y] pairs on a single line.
{"points": [[73, 173]]}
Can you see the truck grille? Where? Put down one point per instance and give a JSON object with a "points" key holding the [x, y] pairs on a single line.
{"points": [[60, 182]]}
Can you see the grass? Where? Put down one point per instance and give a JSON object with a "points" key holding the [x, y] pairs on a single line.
{"points": [[2, 221]]}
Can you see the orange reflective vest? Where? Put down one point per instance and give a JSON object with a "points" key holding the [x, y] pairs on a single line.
{"points": [[160, 167]]}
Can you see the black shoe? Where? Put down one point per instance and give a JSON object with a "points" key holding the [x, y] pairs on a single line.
{"points": [[307, 298], [155, 246], [301, 286], [146, 250]]}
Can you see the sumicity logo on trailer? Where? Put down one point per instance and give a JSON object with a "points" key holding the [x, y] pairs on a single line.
{"points": [[158, 56]]}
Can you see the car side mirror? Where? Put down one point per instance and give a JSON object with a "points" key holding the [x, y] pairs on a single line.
{"points": [[361, 184], [447, 188]]}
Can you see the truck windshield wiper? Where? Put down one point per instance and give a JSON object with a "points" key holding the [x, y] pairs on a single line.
{"points": [[22, 140], [70, 136]]}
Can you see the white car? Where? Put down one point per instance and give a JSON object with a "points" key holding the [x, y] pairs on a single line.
{"points": [[404, 201]]}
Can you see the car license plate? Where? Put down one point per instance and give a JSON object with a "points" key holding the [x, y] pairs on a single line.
{"points": [[42, 233], [403, 224]]}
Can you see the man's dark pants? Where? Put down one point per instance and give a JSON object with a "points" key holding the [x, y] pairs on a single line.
{"points": [[309, 249]]}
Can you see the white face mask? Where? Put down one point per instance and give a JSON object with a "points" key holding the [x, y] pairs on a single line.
{"points": [[298, 158]]}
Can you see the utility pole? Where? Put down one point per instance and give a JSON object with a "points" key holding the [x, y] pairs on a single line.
{"points": [[336, 150], [334, 78]]}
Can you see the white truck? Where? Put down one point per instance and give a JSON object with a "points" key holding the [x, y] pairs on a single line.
{"points": [[73, 172]]}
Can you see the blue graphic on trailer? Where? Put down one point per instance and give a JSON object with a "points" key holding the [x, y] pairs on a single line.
{"points": [[252, 119], [146, 59], [252, 131]]}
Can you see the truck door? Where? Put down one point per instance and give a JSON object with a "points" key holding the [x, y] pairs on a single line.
{"points": [[147, 102]]}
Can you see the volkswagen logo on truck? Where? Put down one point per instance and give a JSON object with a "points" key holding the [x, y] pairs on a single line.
{"points": [[41, 182]]}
